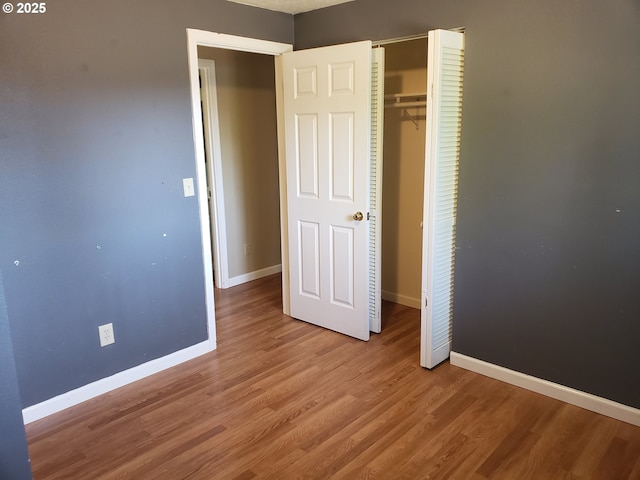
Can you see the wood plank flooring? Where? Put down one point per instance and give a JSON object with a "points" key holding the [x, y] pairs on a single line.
{"points": [[280, 399]]}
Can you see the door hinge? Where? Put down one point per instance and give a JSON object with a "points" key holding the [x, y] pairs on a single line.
{"points": [[426, 302]]}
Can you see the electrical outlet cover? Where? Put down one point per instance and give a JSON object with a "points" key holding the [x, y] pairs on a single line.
{"points": [[106, 334]]}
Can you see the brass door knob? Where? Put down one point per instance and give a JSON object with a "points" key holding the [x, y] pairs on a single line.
{"points": [[358, 216]]}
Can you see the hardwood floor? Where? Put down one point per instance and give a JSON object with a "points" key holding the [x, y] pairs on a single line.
{"points": [[280, 399]]}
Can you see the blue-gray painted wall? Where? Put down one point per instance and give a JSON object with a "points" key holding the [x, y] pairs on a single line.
{"points": [[95, 139], [548, 234]]}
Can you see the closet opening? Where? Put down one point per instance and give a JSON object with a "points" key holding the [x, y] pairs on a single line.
{"points": [[404, 136]]}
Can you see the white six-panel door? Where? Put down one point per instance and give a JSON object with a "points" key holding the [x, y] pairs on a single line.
{"points": [[445, 64], [327, 134]]}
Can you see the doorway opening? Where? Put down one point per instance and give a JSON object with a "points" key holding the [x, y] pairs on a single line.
{"points": [[241, 156], [201, 38]]}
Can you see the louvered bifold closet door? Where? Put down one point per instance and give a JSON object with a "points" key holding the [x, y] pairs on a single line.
{"points": [[444, 115], [375, 190]]}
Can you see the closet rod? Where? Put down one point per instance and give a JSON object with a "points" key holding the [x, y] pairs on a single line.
{"points": [[396, 100], [399, 96], [406, 104], [382, 43], [405, 97]]}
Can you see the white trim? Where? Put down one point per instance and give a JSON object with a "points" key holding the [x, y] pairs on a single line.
{"points": [[201, 183], [579, 398], [248, 277], [282, 176], [401, 299], [214, 173], [120, 379], [231, 42]]}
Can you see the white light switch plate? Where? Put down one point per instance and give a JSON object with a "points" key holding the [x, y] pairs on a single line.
{"points": [[187, 183]]}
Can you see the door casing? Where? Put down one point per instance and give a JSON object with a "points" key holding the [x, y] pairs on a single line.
{"points": [[203, 38]]}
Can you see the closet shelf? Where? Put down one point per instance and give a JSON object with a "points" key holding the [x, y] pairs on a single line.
{"points": [[404, 100]]}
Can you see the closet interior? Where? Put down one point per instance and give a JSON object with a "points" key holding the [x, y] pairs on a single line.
{"points": [[405, 84]]}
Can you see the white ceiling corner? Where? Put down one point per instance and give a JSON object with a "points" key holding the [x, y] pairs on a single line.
{"points": [[291, 6]]}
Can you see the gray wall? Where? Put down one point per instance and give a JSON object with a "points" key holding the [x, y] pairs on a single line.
{"points": [[548, 261], [95, 138], [14, 456]]}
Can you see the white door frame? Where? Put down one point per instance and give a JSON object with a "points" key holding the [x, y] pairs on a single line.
{"points": [[203, 38]]}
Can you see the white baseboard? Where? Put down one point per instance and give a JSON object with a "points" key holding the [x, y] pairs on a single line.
{"points": [[104, 385], [401, 299], [554, 390], [247, 277]]}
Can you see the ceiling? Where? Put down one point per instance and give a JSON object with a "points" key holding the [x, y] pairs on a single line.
{"points": [[290, 6]]}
